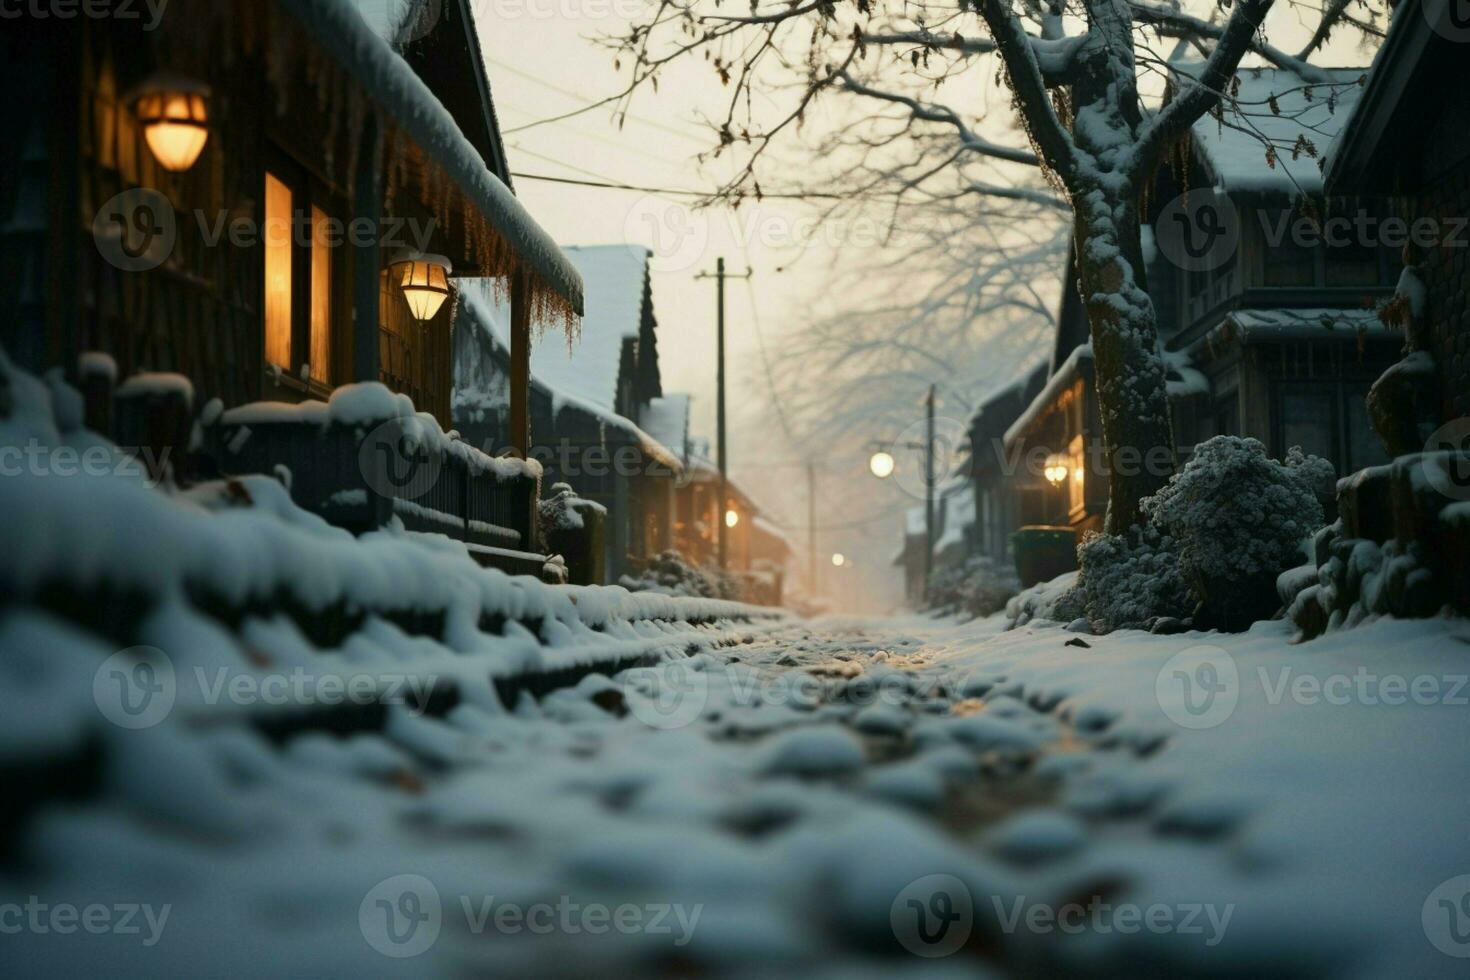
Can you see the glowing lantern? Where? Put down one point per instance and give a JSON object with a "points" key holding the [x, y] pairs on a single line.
{"points": [[425, 282], [1056, 470], [839, 559], [174, 113], [731, 518], [881, 465]]}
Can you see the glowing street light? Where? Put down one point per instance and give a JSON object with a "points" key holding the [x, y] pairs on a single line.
{"points": [[839, 559], [174, 113], [1056, 470], [881, 464], [732, 517], [424, 280]]}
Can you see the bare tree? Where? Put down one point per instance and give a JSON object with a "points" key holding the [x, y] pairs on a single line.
{"points": [[1087, 142]]}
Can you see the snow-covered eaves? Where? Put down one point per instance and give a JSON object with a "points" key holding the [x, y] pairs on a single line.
{"points": [[1234, 151], [338, 27], [477, 313], [1331, 325], [1070, 370], [1182, 379]]}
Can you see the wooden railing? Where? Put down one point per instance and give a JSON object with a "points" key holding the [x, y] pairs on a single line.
{"points": [[360, 477]]}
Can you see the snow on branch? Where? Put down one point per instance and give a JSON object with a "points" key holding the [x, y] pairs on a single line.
{"points": [[1015, 47], [1196, 99], [933, 112]]}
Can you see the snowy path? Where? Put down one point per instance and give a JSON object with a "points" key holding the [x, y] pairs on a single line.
{"points": [[819, 799]]}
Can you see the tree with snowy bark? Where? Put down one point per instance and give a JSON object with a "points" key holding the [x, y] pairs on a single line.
{"points": [[1076, 75]]}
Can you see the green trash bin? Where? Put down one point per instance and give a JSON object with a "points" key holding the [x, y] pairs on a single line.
{"points": [[1043, 552]]}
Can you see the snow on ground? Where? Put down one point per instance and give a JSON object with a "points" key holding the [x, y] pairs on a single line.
{"points": [[369, 757], [792, 802]]}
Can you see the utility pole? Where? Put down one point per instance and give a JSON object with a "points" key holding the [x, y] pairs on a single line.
{"points": [[723, 459], [928, 488], [811, 526]]}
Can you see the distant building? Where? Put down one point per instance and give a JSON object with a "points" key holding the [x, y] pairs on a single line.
{"points": [[590, 399]]}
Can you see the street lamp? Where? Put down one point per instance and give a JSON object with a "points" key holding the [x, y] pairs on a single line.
{"points": [[881, 464], [732, 517], [839, 559], [424, 280], [174, 113], [1055, 470]]}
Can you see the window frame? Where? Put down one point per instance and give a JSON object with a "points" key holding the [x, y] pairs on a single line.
{"points": [[308, 194]]}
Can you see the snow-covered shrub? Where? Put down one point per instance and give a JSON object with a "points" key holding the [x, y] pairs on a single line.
{"points": [[1060, 601], [1239, 519], [558, 511], [977, 587], [1130, 579], [669, 573]]}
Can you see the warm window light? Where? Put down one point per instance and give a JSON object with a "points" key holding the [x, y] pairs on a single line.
{"points": [[881, 465], [174, 113], [1056, 470], [425, 282], [278, 205], [731, 518], [839, 559]]}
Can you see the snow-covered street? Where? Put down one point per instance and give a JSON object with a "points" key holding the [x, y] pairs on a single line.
{"points": [[817, 797]]}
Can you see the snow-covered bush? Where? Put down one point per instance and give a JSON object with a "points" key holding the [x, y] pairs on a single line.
{"points": [[1060, 601], [977, 587], [1129, 580], [1239, 519], [670, 573], [558, 511]]}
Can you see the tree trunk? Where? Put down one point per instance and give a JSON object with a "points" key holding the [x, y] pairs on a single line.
{"points": [[1138, 440]]}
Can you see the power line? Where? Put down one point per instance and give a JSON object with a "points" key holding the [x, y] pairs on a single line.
{"points": [[616, 186], [587, 105]]}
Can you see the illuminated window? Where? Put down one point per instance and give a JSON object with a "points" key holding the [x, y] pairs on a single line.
{"points": [[321, 298], [277, 272], [1076, 476]]}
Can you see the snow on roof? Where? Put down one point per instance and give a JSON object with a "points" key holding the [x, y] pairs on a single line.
{"points": [[1296, 324], [614, 277], [1237, 160], [667, 420], [339, 27], [483, 315], [1065, 375]]}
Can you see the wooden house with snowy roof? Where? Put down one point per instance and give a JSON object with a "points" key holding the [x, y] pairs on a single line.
{"points": [[1266, 301], [249, 205], [599, 417]]}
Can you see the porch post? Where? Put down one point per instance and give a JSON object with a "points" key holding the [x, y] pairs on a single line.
{"points": [[367, 203], [520, 365]]}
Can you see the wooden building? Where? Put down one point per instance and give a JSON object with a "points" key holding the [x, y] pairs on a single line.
{"points": [[265, 201], [591, 397], [1279, 341]]}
